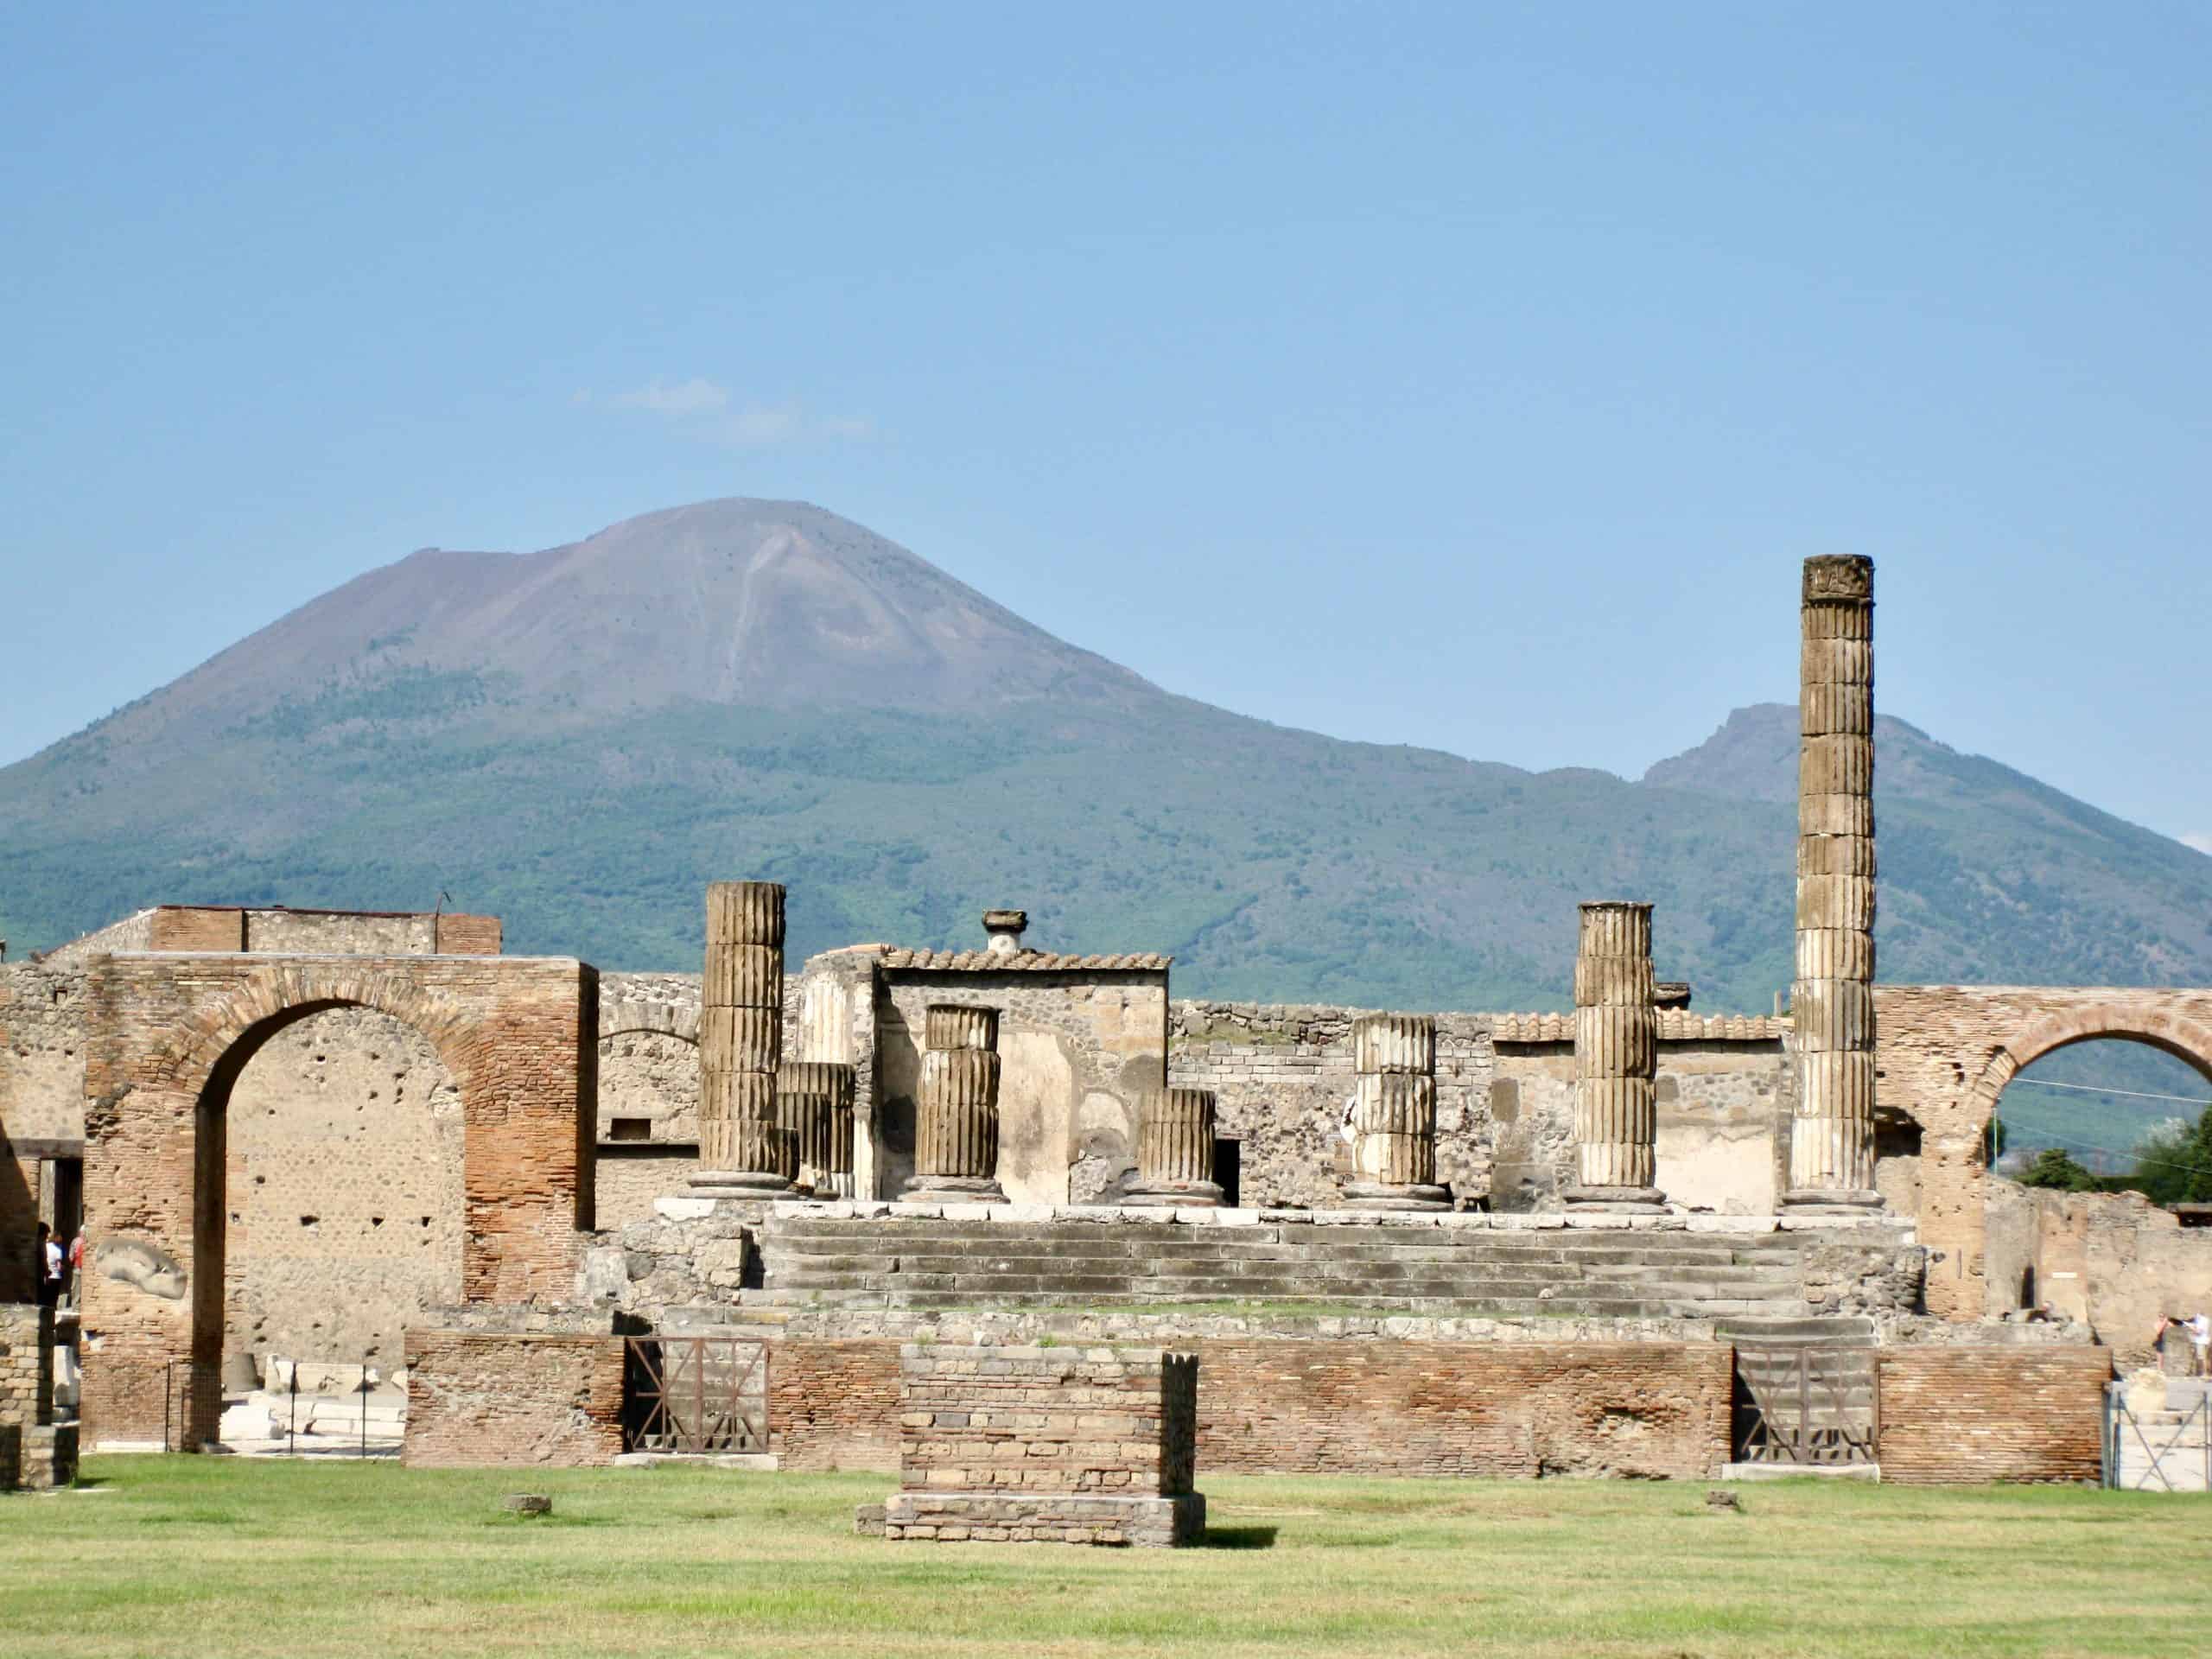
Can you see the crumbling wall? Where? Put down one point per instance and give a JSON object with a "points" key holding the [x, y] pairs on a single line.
{"points": [[478, 1398], [1504, 1103], [1077, 1051], [2113, 1260], [1955, 1415], [345, 1158]]}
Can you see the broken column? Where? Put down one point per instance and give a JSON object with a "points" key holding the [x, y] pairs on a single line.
{"points": [[1394, 1114], [814, 1103], [1832, 1135], [1616, 1062], [1175, 1150], [743, 1152], [956, 1121]]}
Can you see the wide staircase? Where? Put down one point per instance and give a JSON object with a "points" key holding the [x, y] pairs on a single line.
{"points": [[919, 1263]]}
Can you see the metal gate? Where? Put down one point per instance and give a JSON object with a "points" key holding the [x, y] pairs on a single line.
{"points": [[1806, 1403], [694, 1394], [2171, 1452]]}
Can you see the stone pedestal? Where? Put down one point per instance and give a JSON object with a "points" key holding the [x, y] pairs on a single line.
{"points": [[956, 1119], [745, 1151], [1394, 1114], [1616, 1062], [1175, 1135], [1018, 1444], [1832, 1135]]}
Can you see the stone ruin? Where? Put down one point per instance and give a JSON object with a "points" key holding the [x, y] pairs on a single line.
{"points": [[316, 1138]]}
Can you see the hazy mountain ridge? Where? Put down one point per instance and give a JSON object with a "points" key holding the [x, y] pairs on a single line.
{"points": [[580, 739]]}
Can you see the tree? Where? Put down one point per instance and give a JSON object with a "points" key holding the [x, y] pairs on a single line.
{"points": [[2173, 1163], [2054, 1168]]}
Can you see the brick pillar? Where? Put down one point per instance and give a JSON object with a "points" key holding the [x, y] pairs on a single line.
{"points": [[1394, 1114], [743, 1150], [814, 1103], [1832, 1136], [1175, 1150], [956, 1123], [1616, 1062]]}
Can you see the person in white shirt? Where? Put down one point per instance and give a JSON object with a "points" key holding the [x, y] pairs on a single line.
{"points": [[2198, 1329]]}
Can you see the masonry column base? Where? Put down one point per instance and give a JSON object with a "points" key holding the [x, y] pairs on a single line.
{"points": [[951, 1189], [739, 1184], [1616, 1200], [1831, 1200], [1392, 1195], [1173, 1195]]}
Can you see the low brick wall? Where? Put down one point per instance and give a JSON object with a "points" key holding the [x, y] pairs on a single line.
{"points": [[476, 1398], [834, 1405], [1353, 1406], [1953, 1417], [1119, 1421], [1511, 1409]]}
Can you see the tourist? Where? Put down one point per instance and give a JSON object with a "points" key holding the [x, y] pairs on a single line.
{"points": [[50, 1267], [2198, 1328], [77, 1267]]}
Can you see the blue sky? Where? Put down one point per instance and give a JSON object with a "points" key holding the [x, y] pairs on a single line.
{"points": [[1471, 376]]}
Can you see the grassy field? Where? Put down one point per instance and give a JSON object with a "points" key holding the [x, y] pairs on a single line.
{"points": [[182, 1557]]}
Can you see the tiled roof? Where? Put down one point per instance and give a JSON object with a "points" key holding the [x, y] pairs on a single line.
{"points": [[1676, 1026], [1036, 961]]}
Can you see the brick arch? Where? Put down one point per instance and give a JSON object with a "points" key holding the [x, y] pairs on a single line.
{"points": [[170, 1032], [214, 1045], [2185, 1038], [631, 1019]]}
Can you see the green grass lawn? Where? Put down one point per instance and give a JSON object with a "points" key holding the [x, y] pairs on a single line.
{"points": [[186, 1556]]}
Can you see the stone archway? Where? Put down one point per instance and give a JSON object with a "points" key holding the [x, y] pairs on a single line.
{"points": [[1943, 1055], [171, 1032]]}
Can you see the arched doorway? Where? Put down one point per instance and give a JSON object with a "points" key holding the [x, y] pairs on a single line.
{"points": [[342, 1177], [172, 1036]]}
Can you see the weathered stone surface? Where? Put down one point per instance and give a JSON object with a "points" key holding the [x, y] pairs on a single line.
{"points": [[1395, 1043], [954, 1025], [746, 912], [744, 1144], [1616, 1058]]}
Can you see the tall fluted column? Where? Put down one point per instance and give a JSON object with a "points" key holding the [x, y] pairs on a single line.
{"points": [[1832, 1137], [1616, 1062], [743, 1152], [957, 1123], [814, 1103], [1394, 1114], [1175, 1150]]}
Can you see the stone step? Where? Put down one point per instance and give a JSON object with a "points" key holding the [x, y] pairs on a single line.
{"points": [[1805, 1332]]}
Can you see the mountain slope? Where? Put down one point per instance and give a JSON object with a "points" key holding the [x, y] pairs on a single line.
{"points": [[580, 739]]}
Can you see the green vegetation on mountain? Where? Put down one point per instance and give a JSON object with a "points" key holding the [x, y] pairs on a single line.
{"points": [[553, 739]]}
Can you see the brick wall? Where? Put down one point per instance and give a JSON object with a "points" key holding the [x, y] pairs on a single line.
{"points": [[1953, 1417], [1464, 1409], [468, 936], [834, 1405], [1364, 1407], [176, 927], [518, 1035], [478, 1398], [1114, 1421], [26, 1365]]}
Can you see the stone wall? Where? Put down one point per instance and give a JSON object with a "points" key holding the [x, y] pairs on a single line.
{"points": [[345, 1190], [1077, 1051], [1281, 1076], [478, 1398], [632, 1175], [2114, 1261], [1943, 1055], [1952, 1416]]}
